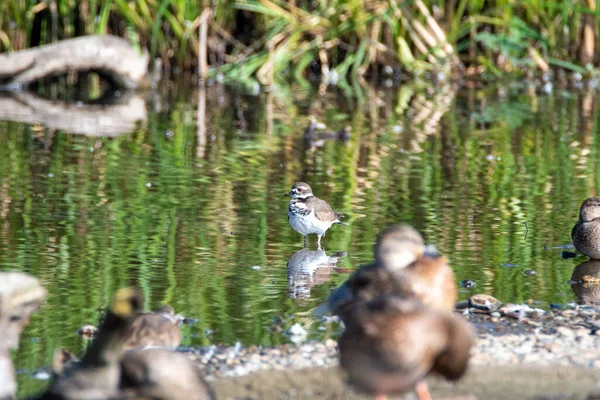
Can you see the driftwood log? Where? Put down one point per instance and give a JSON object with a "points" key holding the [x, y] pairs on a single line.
{"points": [[119, 117], [109, 56], [20, 295]]}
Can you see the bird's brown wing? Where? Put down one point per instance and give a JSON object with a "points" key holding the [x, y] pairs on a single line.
{"points": [[452, 363], [383, 347], [162, 374], [323, 210], [152, 330]]}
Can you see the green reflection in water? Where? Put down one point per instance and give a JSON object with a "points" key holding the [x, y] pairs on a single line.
{"points": [[491, 182]]}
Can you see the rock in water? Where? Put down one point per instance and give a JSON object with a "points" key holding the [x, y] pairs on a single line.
{"points": [[484, 302], [297, 333]]}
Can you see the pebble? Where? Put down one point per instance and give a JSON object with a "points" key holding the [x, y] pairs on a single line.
{"points": [[297, 333], [568, 313], [564, 331], [520, 311]]}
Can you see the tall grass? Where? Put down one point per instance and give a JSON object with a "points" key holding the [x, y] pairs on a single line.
{"points": [[272, 40]]}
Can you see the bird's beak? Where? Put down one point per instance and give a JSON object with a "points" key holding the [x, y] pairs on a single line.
{"points": [[288, 194]]}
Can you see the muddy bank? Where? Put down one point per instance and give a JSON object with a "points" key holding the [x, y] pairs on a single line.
{"points": [[489, 383]]}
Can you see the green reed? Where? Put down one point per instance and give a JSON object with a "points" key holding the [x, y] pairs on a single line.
{"points": [[339, 40]]}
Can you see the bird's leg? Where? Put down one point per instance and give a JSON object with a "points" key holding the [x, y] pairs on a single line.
{"points": [[319, 241], [423, 391], [305, 241], [381, 397]]}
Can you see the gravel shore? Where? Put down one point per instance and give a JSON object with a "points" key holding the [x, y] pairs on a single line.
{"points": [[541, 355], [569, 337]]}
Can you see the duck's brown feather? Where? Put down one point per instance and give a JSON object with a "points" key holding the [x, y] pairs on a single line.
{"points": [[153, 330], [162, 374], [384, 349], [429, 280], [323, 210]]}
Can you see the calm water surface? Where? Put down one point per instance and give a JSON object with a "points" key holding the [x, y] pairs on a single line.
{"points": [[189, 206]]}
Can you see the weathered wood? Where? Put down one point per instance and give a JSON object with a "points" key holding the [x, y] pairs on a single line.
{"points": [[20, 295], [84, 119], [109, 56]]}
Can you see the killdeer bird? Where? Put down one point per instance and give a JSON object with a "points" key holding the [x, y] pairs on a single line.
{"points": [[309, 214], [390, 345], [401, 268], [586, 232]]}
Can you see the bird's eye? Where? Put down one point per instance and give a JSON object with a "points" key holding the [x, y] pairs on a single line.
{"points": [[299, 189]]}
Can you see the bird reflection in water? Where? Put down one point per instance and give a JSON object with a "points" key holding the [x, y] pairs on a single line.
{"points": [[585, 282], [309, 268]]}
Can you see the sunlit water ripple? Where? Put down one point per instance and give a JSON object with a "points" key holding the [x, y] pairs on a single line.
{"points": [[196, 218]]}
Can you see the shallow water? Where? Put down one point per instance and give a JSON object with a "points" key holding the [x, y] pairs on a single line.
{"points": [[188, 204]]}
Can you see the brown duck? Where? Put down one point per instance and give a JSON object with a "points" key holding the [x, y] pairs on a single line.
{"points": [[159, 329], [107, 372], [401, 268], [161, 374], [384, 350], [586, 232], [98, 374]]}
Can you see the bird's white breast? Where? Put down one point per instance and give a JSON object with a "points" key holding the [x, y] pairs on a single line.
{"points": [[306, 224]]}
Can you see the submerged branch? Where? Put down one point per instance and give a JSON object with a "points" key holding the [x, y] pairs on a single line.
{"points": [[109, 56]]}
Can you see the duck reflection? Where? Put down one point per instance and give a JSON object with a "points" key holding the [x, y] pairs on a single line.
{"points": [[314, 137], [309, 268], [585, 282]]}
